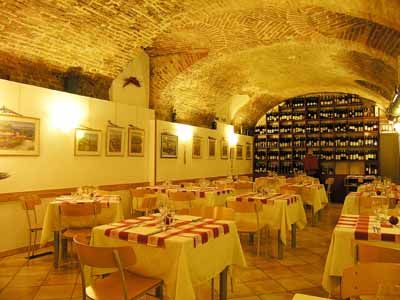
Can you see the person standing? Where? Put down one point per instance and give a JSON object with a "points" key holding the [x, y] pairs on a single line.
{"points": [[311, 164]]}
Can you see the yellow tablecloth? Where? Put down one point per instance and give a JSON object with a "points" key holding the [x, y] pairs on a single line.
{"points": [[280, 215], [113, 213], [269, 182], [314, 195], [181, 266]]}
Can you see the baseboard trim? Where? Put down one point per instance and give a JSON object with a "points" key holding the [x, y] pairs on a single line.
{"points": [[20, 250]]}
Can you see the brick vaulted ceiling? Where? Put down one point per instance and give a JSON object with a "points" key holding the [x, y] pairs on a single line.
{"points": [[204, 52]]}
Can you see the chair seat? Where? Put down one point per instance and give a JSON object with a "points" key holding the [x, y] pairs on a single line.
{"points": [[36, 227], [70, 233], [243, 226], [110, 288]]}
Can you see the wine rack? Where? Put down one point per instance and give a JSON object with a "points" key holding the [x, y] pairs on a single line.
{"points": [[337, 127]]}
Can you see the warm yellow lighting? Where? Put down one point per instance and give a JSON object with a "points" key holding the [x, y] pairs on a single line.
{"points": [[396, 127], [184, 132], [79, 134], [231, 136], [66, 115]]}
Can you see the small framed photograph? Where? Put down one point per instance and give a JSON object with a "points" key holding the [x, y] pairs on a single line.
{"points": [[232, 153], [135, 142], [115, 141], [239, 151], [196, 147], [87, 142], [169, 145], [212, 148], [248, 151], [19, 135], [224, 149]]}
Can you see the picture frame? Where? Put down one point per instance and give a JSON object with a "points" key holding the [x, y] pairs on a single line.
{"points": [[115, 141], [169, 146], [87, 142], [212, 148], [232, 153], [224, 149], [239, 152], [248, 151], [19, 135], [136, 139], [197, 147]]}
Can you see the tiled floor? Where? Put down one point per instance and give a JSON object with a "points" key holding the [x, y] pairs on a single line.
{"points": [[264, 279]]}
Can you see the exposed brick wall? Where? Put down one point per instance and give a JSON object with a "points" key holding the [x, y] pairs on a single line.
{"points": [[47, 76]]}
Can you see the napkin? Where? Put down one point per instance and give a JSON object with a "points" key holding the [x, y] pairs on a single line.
{"points": [[143, 230]]}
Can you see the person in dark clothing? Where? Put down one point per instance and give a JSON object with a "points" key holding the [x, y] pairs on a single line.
{"points": [[311, 164]]}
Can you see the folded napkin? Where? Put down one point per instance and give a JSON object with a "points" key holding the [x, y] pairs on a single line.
{"points": [[187, 218], [143, 230]]}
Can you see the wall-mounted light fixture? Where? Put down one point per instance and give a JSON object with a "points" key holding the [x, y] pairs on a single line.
{"points": [[66, 115], [185, 134]]}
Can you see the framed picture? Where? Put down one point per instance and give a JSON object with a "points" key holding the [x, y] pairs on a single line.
{"points": [[87, 141], [248, 151], [224, 149], [212, 147], [239, 151], [19, 135], [115, 141], [232, 153], [196, 147], [169, 145], [135, 142]]}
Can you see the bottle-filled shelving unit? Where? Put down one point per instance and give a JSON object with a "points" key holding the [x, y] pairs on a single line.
{"points": [[341, 129]]}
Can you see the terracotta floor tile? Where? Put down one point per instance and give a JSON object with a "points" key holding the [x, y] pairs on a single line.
{"points": [[239, 290], [18, 293], [280, 272], [27, 280], [13, 261], [251, 275], [248, 298], [295, 283], [280, 296], [264, 287], [292, 261], [4, 280], [54, 292], [57, 279], [9, 271]]}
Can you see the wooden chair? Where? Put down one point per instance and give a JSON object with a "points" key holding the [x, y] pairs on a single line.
{"points": [[224, 213], [148, 205], [329, 182], [182, 197], [377, 254], [364, 279], [76, 219], [137, 196], [29, 204], [244, 178], [118, 285], [243, 187], [251, 225]]}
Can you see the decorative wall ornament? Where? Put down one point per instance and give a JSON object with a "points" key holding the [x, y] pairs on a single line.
{"points": [[135, 141], [19, 135], [212, 148], [197, 147], [115, 141], [169, 145], [224, 149], [87, 142], [131, 80], [248, 151], [239, 151]]}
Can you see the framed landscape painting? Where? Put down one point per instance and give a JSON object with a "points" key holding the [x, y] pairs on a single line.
{"points": [[212, 148], [87, 142], [135, 142], [248, 151], [169, 145], [115, 141], [196, 147], [224, 149], [239, 151], [19, 135]]}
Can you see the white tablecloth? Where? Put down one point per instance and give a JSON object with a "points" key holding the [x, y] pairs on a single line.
{"points": [[281, 215], [314, 195], [112, 213], [181, 266]]}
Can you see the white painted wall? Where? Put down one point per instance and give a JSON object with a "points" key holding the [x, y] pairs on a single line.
{"points": [[196, 168], [139, 67]]}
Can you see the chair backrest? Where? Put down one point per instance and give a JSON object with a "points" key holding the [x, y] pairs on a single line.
{"points": [[364, 279], [243, 187], [224, 213], [181, 196], [377, 254], [149, 202], [29, 202], [244, 178], [244, 206], [288, 190], [68, 209], [104, 257]]}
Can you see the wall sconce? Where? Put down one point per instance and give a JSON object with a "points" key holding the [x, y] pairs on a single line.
{"points": [[65, 115], [396, 126], [185, 134]]}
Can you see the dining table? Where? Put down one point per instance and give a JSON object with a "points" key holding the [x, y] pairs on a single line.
{"points": [[186, 254], [351, 230], [281, 212], [111, 211]]}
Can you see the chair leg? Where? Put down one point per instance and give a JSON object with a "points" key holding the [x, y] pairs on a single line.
{"points": [[60, 246], [159, 292], [258, 243], [34, 244], [30, 244], [212, 288]]}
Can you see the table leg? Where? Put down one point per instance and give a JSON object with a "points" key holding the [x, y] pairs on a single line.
{"points": [[280, 246], [55, 257], [313, 221], [251, 238], [294, 228], [223, 284]]}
